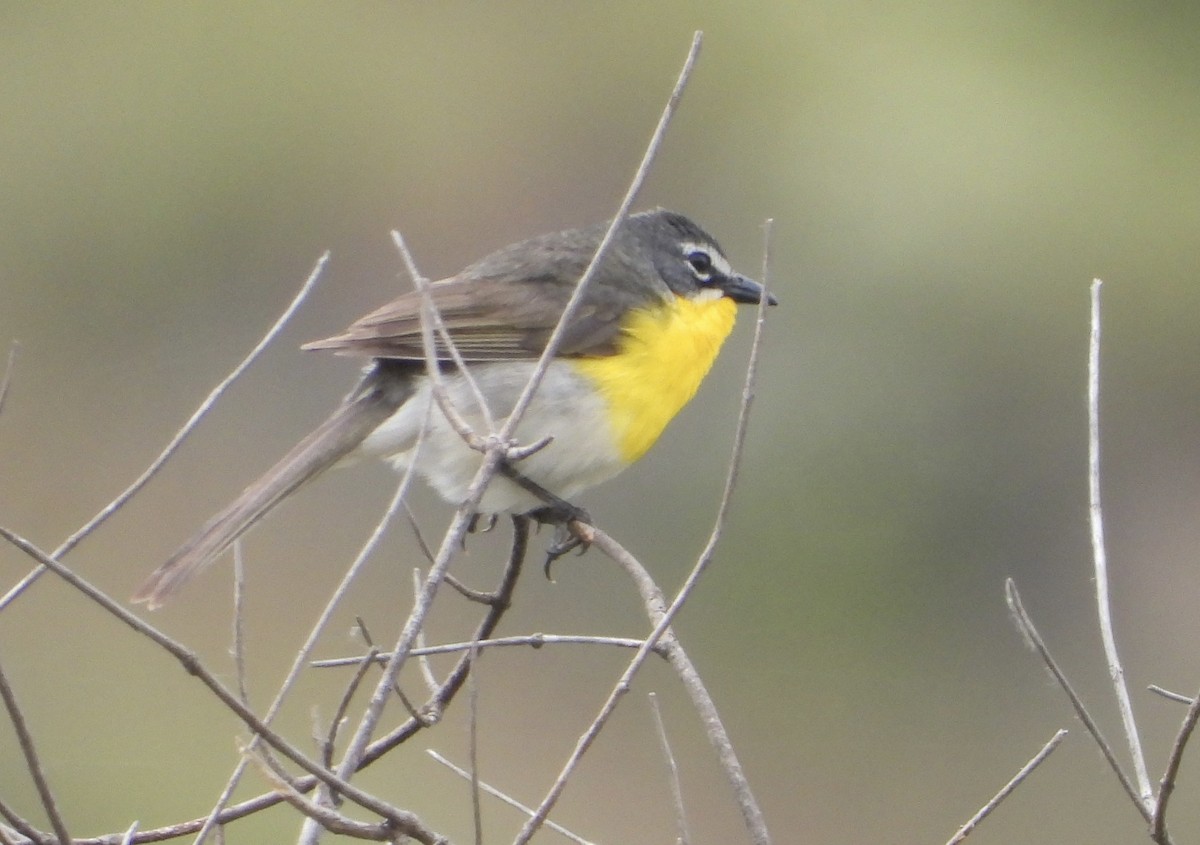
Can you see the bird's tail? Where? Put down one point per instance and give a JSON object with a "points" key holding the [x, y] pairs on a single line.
{"points": [[382, 392]]}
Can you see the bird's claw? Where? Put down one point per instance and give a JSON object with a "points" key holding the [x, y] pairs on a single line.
{"points": [[572, 530]]}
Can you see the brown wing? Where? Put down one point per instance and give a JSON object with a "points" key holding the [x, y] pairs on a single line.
{"points": [[488, 319]]}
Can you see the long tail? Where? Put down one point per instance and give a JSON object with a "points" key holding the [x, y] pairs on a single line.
{"points": [[383, 391]]}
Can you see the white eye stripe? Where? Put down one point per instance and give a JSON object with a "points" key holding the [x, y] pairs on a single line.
{"points": [[719, 263]]}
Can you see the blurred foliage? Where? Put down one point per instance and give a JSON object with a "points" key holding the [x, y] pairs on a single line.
{"points": [[946, 179]]}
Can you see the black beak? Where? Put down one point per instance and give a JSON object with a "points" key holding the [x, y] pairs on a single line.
{"points": [[742, 289]]}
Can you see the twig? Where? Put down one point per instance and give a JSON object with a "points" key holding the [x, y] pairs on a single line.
{"points": [[512, 802], [326, 817], [473, 741], [635, 187], [431, 321], [6, 379], [379, 748], [1170, 696], [239, 627], [531, 640], [314, 634], [192, 665], [130, 832], [1158, 828], [32, 762], [1026, 770], [318, 628], [157, 464], [430, 317], [1030, 633], [22, 826], [339, 714], [681, 827], [718, 737], [431, 682], [1100, 563]]}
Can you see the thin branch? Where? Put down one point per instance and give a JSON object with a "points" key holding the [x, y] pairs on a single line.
{"points": [[5, 380], [326, 817], [239, 617], [1030, 633], [635, 187], [23, 827], [130, 832], [169, 450], [473, 742], [339, 714], [718, 737], [510, 801], [32, 762], [376, 750], [431, 682], [431, 321], [192, 665], [1100, 562], [530, 640], [430, 317], [1158, 828], [683, 837], [314, 634], [1170, 696], [1026, 770]]}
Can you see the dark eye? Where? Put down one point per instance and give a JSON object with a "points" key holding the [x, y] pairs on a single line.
{"points": [[701, 263]]}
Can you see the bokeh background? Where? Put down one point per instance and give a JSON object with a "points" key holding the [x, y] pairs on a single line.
{"points": [[946, 179]]}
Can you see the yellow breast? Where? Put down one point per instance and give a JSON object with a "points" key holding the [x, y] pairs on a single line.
{"points": [[665, 352]]}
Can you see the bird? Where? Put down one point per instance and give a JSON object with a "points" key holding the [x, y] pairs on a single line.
{"points": [[646, 331]]}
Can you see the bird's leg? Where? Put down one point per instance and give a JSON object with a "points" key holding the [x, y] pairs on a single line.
{"points": [[570, 521]]}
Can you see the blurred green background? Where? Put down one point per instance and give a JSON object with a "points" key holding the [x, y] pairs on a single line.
{"points": [[946, 179]]}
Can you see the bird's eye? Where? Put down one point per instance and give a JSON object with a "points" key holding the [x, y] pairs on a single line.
{"points": [[701, 263]]}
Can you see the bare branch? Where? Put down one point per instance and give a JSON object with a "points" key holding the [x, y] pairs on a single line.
{"points": [[531, 640], [1100, 562], [239, 627], [32, 762], [429, 318], [314, 634], [1158, 828], [1170, 696], [6, 379], [22, 827], [457, 676], [635, 188], [473, 742], [339, 714], [193, 666], [130, 832], [169, 450], [1030, 633], [718, 737], [681, 826], [1026, 770], [419, 652], [512, 802], [327, 818]]}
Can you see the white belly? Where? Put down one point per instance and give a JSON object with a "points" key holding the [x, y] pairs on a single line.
{"points": [[581, 455]]}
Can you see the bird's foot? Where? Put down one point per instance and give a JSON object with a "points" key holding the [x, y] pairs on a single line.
{"points": [[572, 530]]}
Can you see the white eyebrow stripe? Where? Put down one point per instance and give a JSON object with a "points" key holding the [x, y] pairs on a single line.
{"points": [[719, 262]]}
